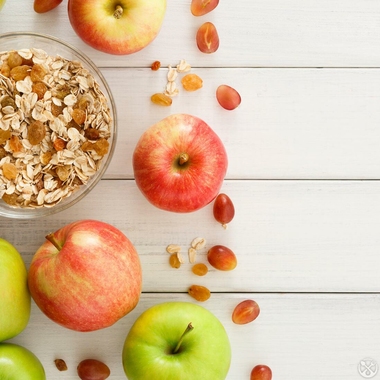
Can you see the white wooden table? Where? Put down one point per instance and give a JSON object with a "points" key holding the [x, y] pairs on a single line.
{"points": [[304, 152]]}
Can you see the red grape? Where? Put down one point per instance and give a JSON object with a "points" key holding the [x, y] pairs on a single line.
{"points": [[261, 372], [245, 312], [92, 369], [228, 97], [201, 7], [224, 210], [222, 258], [207, 38]]}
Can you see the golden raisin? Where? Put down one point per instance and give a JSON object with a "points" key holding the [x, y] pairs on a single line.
{"points": [[39, 88], [87, 145], [60, 364], [46, 157], [59, 144], [8, 101], [15, 144], [92, 133], [14, 59], [199, 292], [101, 147], [5, 70], [82, 103], [161, 99], [11, 199], [20, 72], [62, 172], [200, 269], [62, 92], [174, 261], [79, 115], [191, 82], [9, 171], [155, 65], [56, 110], [3, 152], [36, 132], [37, 73], [4, 135]]}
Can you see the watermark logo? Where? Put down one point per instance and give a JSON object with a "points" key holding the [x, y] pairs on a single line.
{"points": [[368, 368]]}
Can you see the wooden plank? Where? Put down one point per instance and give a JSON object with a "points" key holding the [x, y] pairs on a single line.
{"points": [[299, 336], [289, 236], [307, 124], [262, 33]]}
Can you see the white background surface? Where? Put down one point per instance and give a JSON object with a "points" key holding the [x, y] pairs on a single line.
{"points": [[304, 167]]}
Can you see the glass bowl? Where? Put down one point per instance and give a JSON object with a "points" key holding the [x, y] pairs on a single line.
{"points": [[54, 47]]}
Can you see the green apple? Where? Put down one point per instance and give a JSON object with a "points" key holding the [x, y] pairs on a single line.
{"points": [[15, 298], [2, 2], [18, 363], [177, 340]]}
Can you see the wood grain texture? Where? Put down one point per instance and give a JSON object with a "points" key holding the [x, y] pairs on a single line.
{"points": [[262, 33]]}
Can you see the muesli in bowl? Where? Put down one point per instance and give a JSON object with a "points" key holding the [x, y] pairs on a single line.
{"points": [[57, 125]]}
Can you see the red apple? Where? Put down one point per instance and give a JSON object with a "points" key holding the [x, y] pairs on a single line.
{"points": [[42, 6], [117, 26], [86, 276], [179, 163]]}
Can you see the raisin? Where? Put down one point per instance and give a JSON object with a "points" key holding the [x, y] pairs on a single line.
{"points": [[62, 172], [155, 65], [36, 132], [174, 261], [14, 59], [161, 99], [199, 292], [10, 199], [92, 133], [10, 171], [4, 135], [87, 146], [59, 144], [56, 110], [3, 152], [5, 70], [200, 269], [101, 147], [90, 369], [39, 88], [79, 115], [15, 144], [8, 101], [37, 73], [20, 72], [46, 157], [60, 364], [191, 82]]}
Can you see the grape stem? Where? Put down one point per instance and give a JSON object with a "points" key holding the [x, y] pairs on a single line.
{"points": [[53, 241], [188, 329]]}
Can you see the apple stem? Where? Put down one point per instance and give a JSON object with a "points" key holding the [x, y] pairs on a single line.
{"points": [[183, 158], [118, 11], [53, 241], [188, 329]]}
